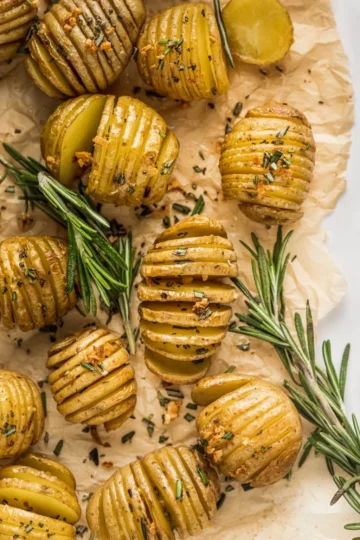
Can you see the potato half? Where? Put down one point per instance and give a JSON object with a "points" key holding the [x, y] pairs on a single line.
{"points": [[267, 163], [182, 317], [16, 19], [180, 53], [38, 499], [250, 428], [93, 382], [127, 144], [83, 45], [33, 282], [168, 492], [259, 31], [21, 414]]}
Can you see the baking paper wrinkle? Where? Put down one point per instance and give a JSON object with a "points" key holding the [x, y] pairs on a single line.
{"points": [[316, 70]]}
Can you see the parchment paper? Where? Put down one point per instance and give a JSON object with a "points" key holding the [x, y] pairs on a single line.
{"points": [[314, 77]]}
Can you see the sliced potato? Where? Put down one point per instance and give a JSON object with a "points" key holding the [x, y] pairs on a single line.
{"points": [[8, 50], [186, 267], [267, 163], [194, 67], [42, 463], [181, 353], [174, 371], [22, 415], [194, 226], [13, 522], [251, 428], [182, 314], [162, 290], [259, 32], [40, 80], [166, 333], [212, 388]]}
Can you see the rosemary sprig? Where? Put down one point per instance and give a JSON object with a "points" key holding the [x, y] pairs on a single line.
{"points": [[223, 33], [91, 256], [318, 392]]}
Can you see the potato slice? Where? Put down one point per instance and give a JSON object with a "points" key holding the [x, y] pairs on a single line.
{"points": [[174, 371], [189, 268], [192, 242], [40, 80], [162, 290], [9, 50], [13, 521], [42, 463], [166, 333], [259, 32], [182, 314], [95, 514], [181, 353], [212, 388], [16, 34], [156, 188]]}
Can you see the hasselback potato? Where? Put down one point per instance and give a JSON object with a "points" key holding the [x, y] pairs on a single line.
{"points": [[83, 45], [169, 490], [16, 19], [21, 414], [33, 282], [249, 428], [267, 163], [38, 500], [183, 319], [93, 382], [180, 53], [130, 150]]}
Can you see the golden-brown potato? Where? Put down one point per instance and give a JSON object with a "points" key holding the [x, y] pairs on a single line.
{"points": [[33, 282], [127, 144], [267, 163], [83, 45], [259, 31], [250, 429], [183, 320], [16, 19], [180, 53], [169, 491], [93, 382], [21, 414], [37, 499]]}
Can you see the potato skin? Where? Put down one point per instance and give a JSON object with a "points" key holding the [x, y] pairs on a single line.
{"points": [[182, 317], [275, 140], [89, 366], [26, 485], [148, 487], [252, 430], [16, 18], [134, 154], [21, 414], [180, 53], [83, 46], [33, 282]]}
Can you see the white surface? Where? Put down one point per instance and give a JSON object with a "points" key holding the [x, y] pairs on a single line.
{"points": [[343, 226]]}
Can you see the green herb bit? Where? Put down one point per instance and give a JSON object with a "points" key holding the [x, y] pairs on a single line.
{"points": [[305, 148], [189, 417], [199, 294], [192, 406], [180, 252], [203, 476], [270, 177], [161, 398], [283, 132], [229, 488], [10, 189], [199, 170], [230, 369], [175, 393], [201, 154], [223, 33], [8, 431], [163, 439], [181, 208], [167, 167], [162, 134], [94, 456], [179, 490], [166, 222], [228, 436], [127, 437], [199, 206], [44, 402], [58, 448], [87, 366], [244, 346], [237, 109], [221, 501], [266, 160], [205, 314]]}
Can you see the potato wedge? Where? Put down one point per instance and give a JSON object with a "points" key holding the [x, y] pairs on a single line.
{"points": [[88, 45], [259, 32], [93, 381], [21, 413], [267, 163], [180, 53], [251, 428], [174, 371]]}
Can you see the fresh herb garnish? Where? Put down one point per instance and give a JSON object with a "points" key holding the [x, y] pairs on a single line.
{"points": [[199, 206], [223, 33], [58, 448], [128, 437], [181, 208], [179, 490], [228, 436], [203, 476]]}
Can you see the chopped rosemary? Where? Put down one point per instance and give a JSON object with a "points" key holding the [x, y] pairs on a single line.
{"points": [[199, 206], [283, 132], [163, 439], [192, 406], [199, 294], [189, 417], [223, 33], [58, 448], [199, 170], [228, 436], [237, 109], [127, 437], [230, 369], [8, 431], [94, 456], [201, 154], [221, 501], [205, 314], [229, 488], [203, 476], [166, 222], [167, 167], [179, 490], [170, 45], [180, 252], [181, 208], [270, 177], [173, 392], [44, 402]]}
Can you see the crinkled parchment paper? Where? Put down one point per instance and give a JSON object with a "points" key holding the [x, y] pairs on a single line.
{"points": [[314, 77]]}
